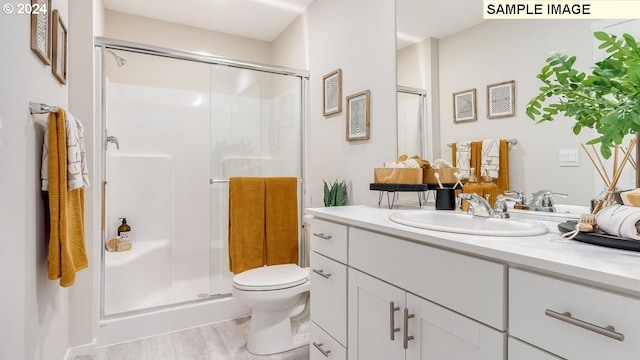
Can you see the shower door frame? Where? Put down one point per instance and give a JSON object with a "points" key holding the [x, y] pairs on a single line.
{"points": [[101, 44]]}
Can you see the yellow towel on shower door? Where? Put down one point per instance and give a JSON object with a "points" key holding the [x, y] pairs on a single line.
{"points": [[246, 223], [67, 254], [281, 212]]}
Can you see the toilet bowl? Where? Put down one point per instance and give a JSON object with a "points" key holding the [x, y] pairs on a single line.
{"points": [[276, 294]]}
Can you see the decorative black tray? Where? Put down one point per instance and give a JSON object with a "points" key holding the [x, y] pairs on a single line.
{"points": [[600, 238]]}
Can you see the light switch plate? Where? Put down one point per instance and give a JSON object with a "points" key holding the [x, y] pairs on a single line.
{"points": [[568, 157]]}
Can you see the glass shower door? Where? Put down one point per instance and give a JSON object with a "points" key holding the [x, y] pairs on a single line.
{"points": [[158, 109], [256, 130]]}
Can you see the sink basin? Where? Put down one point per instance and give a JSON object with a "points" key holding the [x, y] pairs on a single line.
{"points": [[461, 223]]}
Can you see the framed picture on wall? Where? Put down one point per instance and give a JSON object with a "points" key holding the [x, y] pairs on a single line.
{"points": [[464, 106], [59, 44], [358, 116], [500, 99], [41, 29], [332, 93]]}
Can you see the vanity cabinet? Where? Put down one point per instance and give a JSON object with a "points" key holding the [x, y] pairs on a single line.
{"points": [[519, 350], [328, 299], [386, 322], [571, 320]]}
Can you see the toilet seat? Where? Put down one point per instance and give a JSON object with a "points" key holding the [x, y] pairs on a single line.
{"points": [[274, 277]]}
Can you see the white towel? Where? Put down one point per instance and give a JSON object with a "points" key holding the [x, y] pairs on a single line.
{"points": [[77, 171], [490, 158], [620, 221], [463, 158]]}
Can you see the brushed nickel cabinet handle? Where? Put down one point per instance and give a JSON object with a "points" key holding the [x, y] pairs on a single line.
{"points": [[322, 236], [407, 316], [323, 351], [322, 273], [608, 331], [392, 320]]}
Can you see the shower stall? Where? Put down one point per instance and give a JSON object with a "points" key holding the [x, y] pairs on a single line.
{"points": [[176, 126]]}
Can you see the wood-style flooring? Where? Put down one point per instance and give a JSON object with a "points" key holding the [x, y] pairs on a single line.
{"points": [[220, 341]]}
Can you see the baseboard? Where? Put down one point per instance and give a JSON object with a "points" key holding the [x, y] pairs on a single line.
{"points": [[82, 350]]}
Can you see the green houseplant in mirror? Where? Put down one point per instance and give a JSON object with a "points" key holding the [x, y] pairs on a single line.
{"points": [[335, 194], [607, 100]]}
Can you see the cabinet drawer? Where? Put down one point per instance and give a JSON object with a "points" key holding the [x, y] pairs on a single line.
{"points": [[329, 239], [323, 347], [519, 350], [571, 320], [329, 296], [465, 284]]}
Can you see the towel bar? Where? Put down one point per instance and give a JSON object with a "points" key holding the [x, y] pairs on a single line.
{"points": [[40, 108], [511, 142], [226, 181]]}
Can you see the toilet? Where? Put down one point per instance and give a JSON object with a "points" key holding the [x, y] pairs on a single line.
{"points": [[278, 296]]}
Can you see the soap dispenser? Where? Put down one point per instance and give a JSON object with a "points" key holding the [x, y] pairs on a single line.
{"points": [[124, 230], [489, 188], [471, 186]]}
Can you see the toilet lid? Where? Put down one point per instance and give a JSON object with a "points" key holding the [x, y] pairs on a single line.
{"points": [[271, 277]]}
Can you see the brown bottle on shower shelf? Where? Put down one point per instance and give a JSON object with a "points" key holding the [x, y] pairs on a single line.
{"points": [[124, 233], [124, 230], [471, 186], [489, 189]]}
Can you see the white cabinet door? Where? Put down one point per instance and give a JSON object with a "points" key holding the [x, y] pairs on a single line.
{"points": [[440, 333], [375, 311], [329, 296]]}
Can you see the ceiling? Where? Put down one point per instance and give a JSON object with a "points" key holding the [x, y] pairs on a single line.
{"points": [[266, 19]]}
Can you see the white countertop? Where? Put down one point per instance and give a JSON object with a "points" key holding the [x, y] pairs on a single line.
{"points": [[614, 269]]}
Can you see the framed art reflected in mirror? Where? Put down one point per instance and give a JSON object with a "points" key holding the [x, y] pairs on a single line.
{"points": [[59, 43], [464, 106], [500, 99]]}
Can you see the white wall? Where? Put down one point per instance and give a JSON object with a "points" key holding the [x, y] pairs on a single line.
{"points": [[357, 36], [34, 311], [502, 50], [175, 36]]}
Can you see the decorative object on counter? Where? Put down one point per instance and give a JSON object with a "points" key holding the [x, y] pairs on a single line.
{"points": [[437, 176], [59, 46], [464, 106], [599, 238], [620, 220], [470, 187], [610, 182], [586, 224], [332, 93], [500, 99], [419, 189], [358, 118], [605, 100], [41, 29], [445, 199], [335, 194], [628, 197], [403, 170]]}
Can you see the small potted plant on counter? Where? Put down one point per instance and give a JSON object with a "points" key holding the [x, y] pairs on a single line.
{"points": [[335, 194]]}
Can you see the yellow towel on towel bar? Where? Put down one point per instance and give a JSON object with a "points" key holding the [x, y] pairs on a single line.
{"points": [[246, 223], [67, 254], [281, 211]]}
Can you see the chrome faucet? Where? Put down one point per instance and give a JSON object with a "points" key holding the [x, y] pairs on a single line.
{"points": [[479, 206], [542, 200]]}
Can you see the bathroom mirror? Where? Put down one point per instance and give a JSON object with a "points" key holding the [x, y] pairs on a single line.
{"points": [[444, 48]]}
